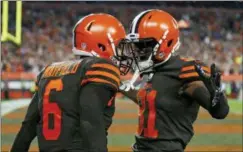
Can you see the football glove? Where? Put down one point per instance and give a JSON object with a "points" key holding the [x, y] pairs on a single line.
{"points": [[212, 82]]}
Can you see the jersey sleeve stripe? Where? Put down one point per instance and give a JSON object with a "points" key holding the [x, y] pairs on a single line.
{"points": [[206, 69], [188, 75], [98, 80], [105, 70], [188, 68], [106, 66], [105, 74]]}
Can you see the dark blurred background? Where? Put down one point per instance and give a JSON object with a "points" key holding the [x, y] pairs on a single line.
{"points": [[210, 31]]}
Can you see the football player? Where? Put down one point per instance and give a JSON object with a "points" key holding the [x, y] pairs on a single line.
{"points": [[174, 87], [74, 104]]}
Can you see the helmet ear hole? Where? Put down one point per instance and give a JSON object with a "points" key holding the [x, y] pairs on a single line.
{"points": [[169, 43], [101, 46]]}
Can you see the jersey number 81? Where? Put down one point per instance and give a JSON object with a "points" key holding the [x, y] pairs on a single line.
{"points": [[146, 98]]}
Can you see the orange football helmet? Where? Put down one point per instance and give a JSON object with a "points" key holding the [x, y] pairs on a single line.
{"points": [[100, 35], [155, 36]]}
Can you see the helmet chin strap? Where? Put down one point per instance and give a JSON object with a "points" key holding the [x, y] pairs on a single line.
{"points": [[130, 84], [143, 65]]}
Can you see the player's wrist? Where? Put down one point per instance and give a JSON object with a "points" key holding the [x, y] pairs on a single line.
{"points": [[215, 100]]}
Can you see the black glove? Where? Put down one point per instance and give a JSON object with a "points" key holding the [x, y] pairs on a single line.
{"points": [[212, 82]]}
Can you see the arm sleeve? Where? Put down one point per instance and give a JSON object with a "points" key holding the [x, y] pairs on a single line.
{"points": [[93, 99], [109, 112], [199, 92], [28, 129]]}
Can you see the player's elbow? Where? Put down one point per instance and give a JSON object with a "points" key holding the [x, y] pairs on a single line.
{"points": [[222, 114]]}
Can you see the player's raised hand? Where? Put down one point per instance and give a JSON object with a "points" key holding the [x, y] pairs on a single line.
{"points": [[212, 81]]}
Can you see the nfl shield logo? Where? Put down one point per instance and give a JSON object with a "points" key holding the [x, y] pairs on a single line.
{"points": [[161, 55], [83, 46]]}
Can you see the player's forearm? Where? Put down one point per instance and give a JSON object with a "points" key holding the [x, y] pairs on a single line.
{"points": [[218, 111], [92, 122], [108, 115], [24, 138], [28, 129], [93, 132], [221, 109], [211, 89]]}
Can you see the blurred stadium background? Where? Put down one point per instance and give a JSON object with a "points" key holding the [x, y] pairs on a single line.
{"points": [[210, 31]]}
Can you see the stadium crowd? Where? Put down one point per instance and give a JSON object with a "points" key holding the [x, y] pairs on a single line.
{"points": [[211, 35]]}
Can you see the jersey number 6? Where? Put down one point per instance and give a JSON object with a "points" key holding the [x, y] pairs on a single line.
{"points": [[51, 108], [147, 127]]}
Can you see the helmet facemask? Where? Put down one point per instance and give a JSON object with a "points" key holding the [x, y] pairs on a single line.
{"points": [[124, 57], [143, 53], [146, 52]]}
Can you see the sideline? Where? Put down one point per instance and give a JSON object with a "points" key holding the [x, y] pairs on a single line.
{"points": [[11, 105]]}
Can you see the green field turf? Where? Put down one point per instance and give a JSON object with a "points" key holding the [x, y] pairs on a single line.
{"points": [[220, 139], [236, 106]]}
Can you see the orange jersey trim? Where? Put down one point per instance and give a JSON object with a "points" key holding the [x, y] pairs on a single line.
{"points": [[106, 74], [186, 59], [110, 101], [98, 80], [188, 75], [106, 66], [193, 68]]}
